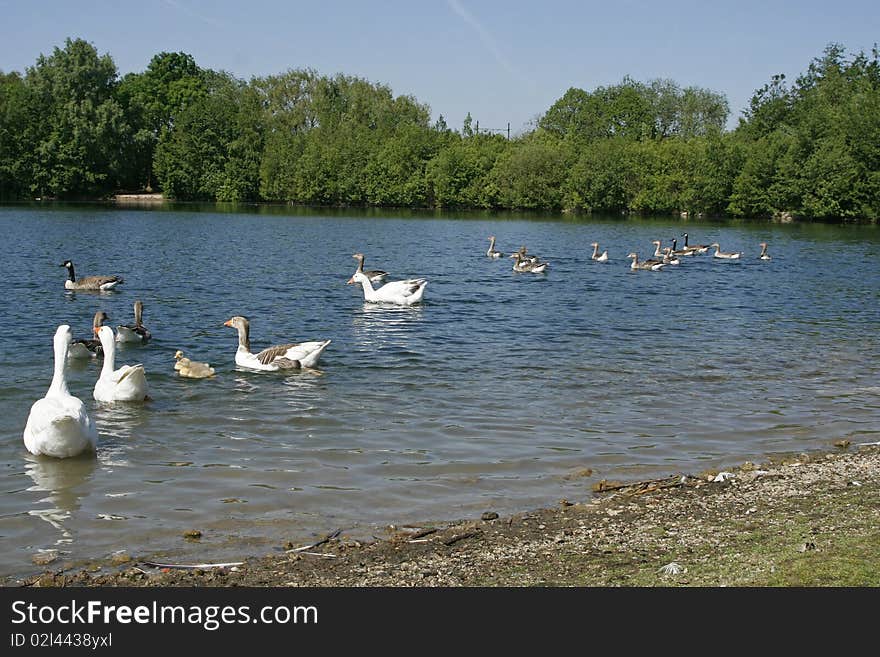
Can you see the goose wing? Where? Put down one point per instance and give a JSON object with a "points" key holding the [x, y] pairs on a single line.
{"points": [[409, 286], [270, 354], [98, 281]]}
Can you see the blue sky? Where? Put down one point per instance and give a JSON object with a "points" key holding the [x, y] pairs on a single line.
{"points": [[503, 61]]}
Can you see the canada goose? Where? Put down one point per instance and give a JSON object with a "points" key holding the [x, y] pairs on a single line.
{"points": [[596, 256], [653, 265], [190, 368], [89, 347], [278, 357], [375, 275], [103, 283], [136, 332], [492, 253], [764, 255], [681, 252], [699, 248], [58, 424], [727, 255]]}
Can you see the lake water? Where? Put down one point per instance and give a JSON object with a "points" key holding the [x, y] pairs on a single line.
{"points": [[497, 393]]}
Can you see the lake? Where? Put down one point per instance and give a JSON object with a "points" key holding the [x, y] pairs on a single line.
{"points": [[501, 391]]}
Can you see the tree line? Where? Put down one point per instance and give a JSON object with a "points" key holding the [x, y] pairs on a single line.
{"points": [[72, 128]]}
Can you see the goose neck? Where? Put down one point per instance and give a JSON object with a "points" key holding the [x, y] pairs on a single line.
{"points": [[109, 347], [366, 284], [59, 378], [244, 340]]}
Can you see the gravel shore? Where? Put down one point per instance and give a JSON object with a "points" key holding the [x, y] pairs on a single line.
{"points": [[803, 520]]}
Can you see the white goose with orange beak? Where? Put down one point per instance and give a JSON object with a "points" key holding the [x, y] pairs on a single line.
{"points": [[292, 356]]}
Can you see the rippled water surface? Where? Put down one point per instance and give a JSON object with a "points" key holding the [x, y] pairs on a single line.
{"points": [[498, 392]]}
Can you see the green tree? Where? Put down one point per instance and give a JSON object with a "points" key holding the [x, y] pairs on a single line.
{"points": [[78, 147], [16, 135], [213, 150], [152, 100], [458, 175], [531, 174]]}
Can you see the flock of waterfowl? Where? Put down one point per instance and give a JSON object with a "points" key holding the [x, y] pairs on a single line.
{"points": [[670, 255], [59, 426]]}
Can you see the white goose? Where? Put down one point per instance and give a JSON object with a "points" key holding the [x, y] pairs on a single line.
{"points": [[404, 293], [279, 357], [58, 424], [190, 368], [492, 253], [101, 283], [596, 256], [764, 255], [727, 255], [128, 383], [136, 332], [84, 348], [653, 265]]}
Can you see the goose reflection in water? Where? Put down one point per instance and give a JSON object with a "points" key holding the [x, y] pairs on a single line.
{"points": [[380, 322], [118, 424], [62, 480]]}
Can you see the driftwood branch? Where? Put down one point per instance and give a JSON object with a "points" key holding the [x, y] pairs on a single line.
{"points": [[321, 541], [188, 566], [646, 486]]}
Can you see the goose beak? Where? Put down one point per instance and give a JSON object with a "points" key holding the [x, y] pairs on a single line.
{"points": [[350, 281], [228, 322], [95, 330]]}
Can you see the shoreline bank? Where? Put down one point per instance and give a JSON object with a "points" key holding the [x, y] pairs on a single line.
{"points": [[804, 520]]}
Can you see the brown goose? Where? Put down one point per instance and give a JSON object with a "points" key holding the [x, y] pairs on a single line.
{"points": [[653, 265], [492, 253], [727, 255], [524, 256], [136, 332], [523, 264], [100, 283], [89, 347], [278, 357], [375, 275]]}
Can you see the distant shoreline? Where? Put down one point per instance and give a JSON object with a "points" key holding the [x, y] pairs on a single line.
{"points": [[139, 198]]}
